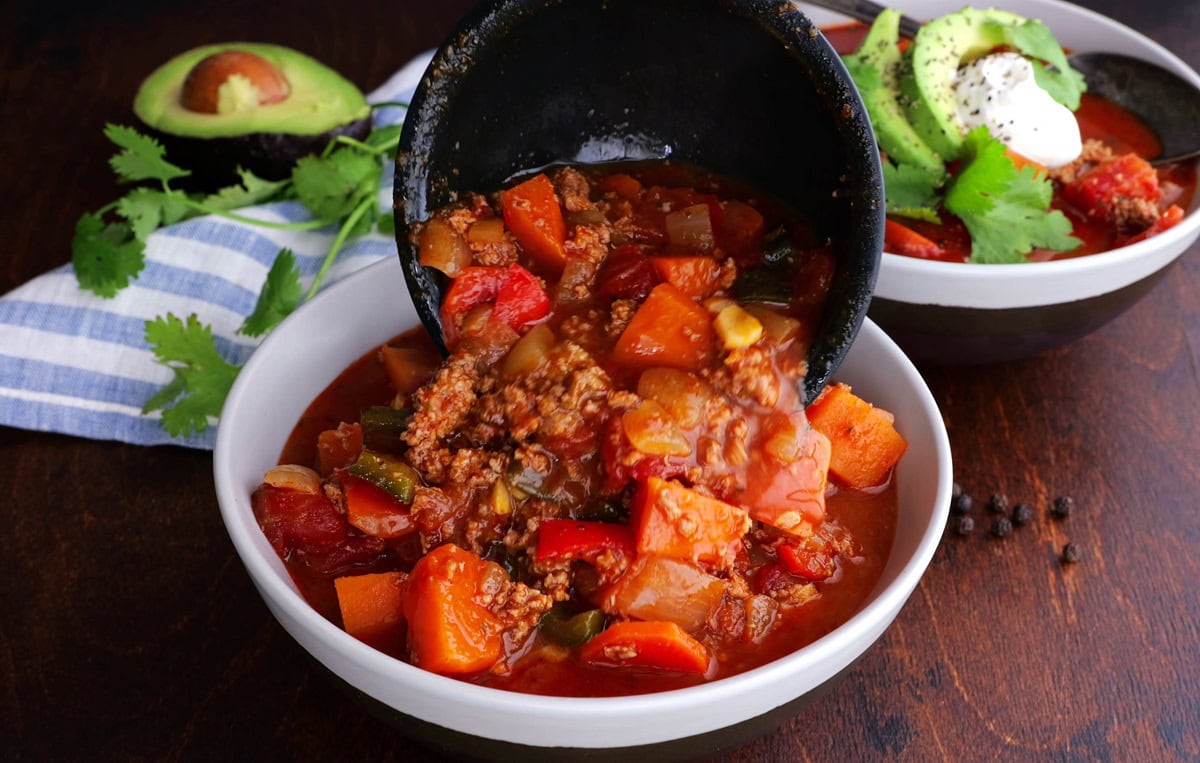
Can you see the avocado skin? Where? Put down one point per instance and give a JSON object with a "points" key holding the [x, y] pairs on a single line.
{"points": [[214, 161], [927, 92], [266, 140], [879, 49]]}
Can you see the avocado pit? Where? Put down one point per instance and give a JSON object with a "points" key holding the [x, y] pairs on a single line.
{"points": [[233, 80]]}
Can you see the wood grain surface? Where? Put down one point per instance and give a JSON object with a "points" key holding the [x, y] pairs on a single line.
{"points": [[130, 630]]}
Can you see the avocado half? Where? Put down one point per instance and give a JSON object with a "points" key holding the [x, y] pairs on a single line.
{"points": [[265, 138]]}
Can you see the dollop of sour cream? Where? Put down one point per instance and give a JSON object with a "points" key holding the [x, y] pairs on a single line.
{"points": [[999, 91]]}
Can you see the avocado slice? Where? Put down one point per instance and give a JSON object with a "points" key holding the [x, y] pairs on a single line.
{"points": [[927, 77], [252, 105], [880, 91]]}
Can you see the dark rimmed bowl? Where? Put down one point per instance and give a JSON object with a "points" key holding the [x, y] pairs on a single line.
{"points": [[945, 313], [745, 88]]}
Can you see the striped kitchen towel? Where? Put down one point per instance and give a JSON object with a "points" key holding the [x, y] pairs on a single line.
{"points": [[78, 364]]}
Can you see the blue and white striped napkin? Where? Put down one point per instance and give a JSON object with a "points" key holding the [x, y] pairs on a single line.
{"points": [[78, 364]]}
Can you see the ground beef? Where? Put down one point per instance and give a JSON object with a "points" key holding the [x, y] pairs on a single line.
{"points": [[441, 407], [795, 595], [1094, 152], [620, 316], [573, 189], [753, 375]]}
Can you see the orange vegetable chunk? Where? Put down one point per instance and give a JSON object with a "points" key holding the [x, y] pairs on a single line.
{"points": [[671, 520], [532, 213], [669, 329], [374, 510], [655, 645], [373, 607], [449, 631], [337, 448], [694, 276], [865, 443]]}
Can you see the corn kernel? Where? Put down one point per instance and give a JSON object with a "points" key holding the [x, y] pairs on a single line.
{"points": [[737, 328]]}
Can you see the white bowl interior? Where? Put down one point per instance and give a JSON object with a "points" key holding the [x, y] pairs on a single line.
{"points": [[304, 354], [907, 279]]}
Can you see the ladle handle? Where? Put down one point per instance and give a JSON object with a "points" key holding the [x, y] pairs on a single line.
{"points": [[867, 11]]}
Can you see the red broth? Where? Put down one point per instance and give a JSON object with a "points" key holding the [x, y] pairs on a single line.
{"points": [[1099, 119], [540, 518]]}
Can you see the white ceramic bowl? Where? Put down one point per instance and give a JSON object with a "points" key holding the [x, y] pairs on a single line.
{"points": [[943, 312], [304, 354]]}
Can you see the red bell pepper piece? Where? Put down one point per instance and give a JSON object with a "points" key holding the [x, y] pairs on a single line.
{"points": [[521, 299], [374, 510], [813, 562], [566, 539]]}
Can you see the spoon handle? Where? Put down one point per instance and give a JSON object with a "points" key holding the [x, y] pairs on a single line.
{"points": [[867, 11]]}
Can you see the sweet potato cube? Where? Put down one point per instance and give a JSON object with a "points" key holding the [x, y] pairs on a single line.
{"points": [[669, 329], [865, 444], [449, 631], [655, 645], [372, 607], [671, 520]]}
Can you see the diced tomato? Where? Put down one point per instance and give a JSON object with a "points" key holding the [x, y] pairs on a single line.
{"points": [[532, 213], [669, 329], [694, 276], [521, 299], [654, 645], [566, 539], [307, 529], [813, 562], [1098, 191], [374, 510], [1167, 220], [477, 285], [449, 631], [900, 239], [675, 521], [627, 273]]}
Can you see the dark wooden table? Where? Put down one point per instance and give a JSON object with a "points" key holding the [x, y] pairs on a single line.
{"points": [[131, 631]]}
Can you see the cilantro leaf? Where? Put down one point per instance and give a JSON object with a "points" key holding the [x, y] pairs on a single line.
{"points": [[252, 190], [1007, 212], [1035, 40], [106, 257], [141, 157], [912, 191], [332, 186], [202, 377], [279, 296], [148, 209]]}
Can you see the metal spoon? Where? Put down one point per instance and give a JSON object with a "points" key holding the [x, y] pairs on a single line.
{"points": [[747, 89], [1165, 102]]}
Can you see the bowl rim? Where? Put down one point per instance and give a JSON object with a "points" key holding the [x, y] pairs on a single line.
{"points": [[278, 590], [1121, 257]]}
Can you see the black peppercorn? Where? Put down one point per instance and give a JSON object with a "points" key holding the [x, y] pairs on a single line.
{"points": [[965, 526], [1061, 508], [1002, 527], [1070, 554], [1022, 514], [998, 503], [955, 490], [961, 504]]}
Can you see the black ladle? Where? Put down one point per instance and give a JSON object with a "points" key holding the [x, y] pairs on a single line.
{"points": [[745, 88], [1165, 102]]}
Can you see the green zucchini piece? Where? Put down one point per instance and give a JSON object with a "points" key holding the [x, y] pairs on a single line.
{"points": [[388, 472]]}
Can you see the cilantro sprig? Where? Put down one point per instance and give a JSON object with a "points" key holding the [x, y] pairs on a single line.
{"points": [[338, 186]]}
